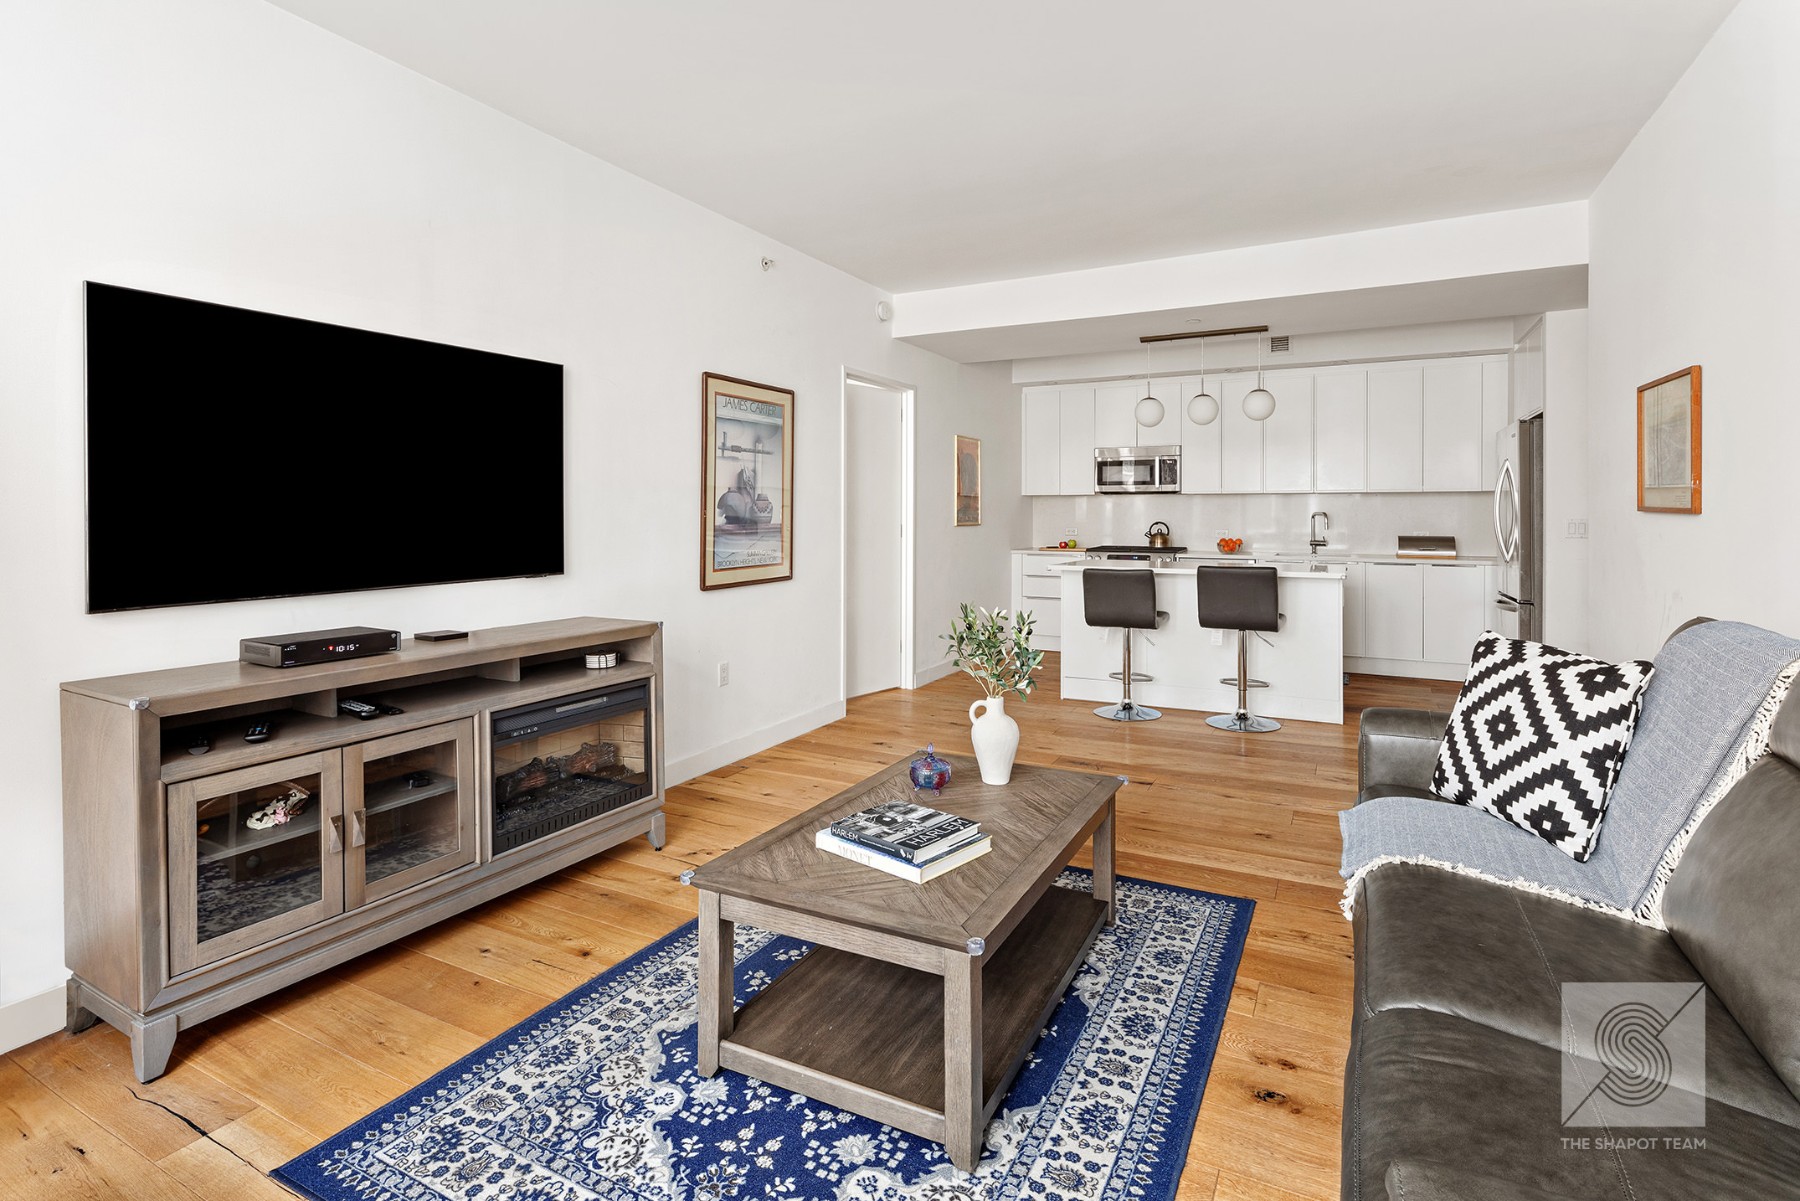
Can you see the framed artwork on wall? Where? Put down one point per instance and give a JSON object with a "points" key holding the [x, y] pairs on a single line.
{"points": [[968, 480], [1669, 443], [747, 483]]}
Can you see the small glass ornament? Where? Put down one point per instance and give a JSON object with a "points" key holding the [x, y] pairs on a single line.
{"points": [[928, 771]]}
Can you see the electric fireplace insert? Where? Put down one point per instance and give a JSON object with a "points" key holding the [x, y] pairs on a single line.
{"points": [[569, 760]]}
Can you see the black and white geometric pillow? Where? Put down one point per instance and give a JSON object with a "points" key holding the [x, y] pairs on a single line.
{"points": [[1537, 738]]}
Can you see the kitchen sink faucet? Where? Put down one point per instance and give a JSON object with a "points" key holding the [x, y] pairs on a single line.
{"points": [[1315, 539]]}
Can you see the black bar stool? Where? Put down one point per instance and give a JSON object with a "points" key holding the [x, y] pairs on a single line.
{"points": [[1244, 599], [1123, 599]]}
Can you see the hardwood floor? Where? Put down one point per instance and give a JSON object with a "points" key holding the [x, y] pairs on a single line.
{"points": [[1249, 815]]}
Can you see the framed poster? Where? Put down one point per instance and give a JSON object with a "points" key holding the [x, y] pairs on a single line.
{"points": [[1669, 443], [747, 483], [968, 480]]}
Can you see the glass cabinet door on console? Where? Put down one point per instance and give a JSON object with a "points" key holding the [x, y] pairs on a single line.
{"points": [[253, 855], [410, 810]]}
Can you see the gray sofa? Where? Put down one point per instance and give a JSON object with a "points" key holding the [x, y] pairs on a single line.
{"points": [[1453, 1086]]}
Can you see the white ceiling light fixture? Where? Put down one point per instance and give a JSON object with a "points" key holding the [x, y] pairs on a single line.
{"points": [[1149, 411], [1259, 405], [1203, 409]]}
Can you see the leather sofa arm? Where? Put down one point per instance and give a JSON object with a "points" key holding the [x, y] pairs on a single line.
{"points": [[1398, 748]]}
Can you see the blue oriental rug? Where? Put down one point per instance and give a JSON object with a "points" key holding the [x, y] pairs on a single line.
{"points": [[597, 1096]]}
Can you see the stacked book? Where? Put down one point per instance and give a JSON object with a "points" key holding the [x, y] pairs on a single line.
{"points": [[905, 839]]}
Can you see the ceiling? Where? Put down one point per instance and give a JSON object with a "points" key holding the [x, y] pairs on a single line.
{"points": [[942, 142]]}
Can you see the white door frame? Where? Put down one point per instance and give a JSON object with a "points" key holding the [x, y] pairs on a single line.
{"points": [[908, 396]]}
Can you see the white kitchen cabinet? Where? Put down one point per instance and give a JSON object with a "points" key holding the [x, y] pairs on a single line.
{"points": [[1115, 416], [1241, 445], [1201, 461], [1396, 430], [1453, 610], [1356, 586], [1040, 442], [1393, 615], [1288, 433], [1451, 427], [1494, 401], [1341, 431], [1075, 409], [1394, 427], [1037, 589], [1528, 374]]}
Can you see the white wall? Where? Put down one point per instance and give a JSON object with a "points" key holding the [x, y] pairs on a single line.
{"points": [[945, 575], [1695, 255], [1565, 596], [1239, 353], [1517, 241], [229, 151]]}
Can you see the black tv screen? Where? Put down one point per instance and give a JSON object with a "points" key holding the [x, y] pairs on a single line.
{"points": [[234, 454]]}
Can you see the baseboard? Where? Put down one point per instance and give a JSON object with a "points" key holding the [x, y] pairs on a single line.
{"points": [[31, 1018], [936, 671], [679, 771], [1414, 669]]}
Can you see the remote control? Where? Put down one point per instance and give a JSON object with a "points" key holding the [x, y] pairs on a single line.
{"points": [[200, 745], [259, 732], [359, 709], [389, 710]]}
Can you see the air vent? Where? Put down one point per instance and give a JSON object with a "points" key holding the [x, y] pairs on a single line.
{"points": [[1278, 344]]}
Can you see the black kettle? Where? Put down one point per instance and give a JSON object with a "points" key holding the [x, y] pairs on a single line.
{"points": [[1158, 533]]}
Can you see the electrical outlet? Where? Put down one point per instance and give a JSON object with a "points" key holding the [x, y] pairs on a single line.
{"points": [[724, 674], [1218, 637], [1069, 532], [1578, 528], [1221, 534]]}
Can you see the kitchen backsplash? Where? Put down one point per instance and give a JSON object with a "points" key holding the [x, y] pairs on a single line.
{"points": [[1365, 521]]}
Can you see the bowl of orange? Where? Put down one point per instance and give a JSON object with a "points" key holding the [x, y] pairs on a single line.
{"points": [[1230, 546]]}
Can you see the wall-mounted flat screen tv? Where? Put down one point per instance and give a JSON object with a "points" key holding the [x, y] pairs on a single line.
{"points": [[234, 454]]}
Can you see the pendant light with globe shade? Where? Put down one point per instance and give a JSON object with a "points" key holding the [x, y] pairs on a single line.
{"points": [[1259, 405]]}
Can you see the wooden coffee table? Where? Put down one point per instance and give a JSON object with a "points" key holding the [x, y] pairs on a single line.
{"points": [[920, 1001]]}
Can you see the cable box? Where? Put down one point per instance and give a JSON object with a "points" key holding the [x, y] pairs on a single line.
{"points": [[318, 646]]}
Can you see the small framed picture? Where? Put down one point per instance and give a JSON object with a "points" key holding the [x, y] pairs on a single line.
{"points": [[1669, 443], [968, 480], [747, 489]]}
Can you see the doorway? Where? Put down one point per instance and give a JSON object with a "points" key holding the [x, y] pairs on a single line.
{"points": [[877, 535]]}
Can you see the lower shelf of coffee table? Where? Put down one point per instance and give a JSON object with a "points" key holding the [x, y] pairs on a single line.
{"points": [[848, 1025]]}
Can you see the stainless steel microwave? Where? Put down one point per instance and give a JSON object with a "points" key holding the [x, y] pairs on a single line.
{"points": [[1137, 469]]}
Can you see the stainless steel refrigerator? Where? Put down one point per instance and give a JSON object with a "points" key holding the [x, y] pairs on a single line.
{"points": [[1519, 528]]}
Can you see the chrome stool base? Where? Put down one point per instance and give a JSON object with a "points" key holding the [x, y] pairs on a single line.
{"points": [[1243, 723], [1128, 711]]}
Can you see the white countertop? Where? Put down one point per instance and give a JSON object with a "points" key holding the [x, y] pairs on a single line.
{"points": [[1262, 557], [1285, 571]]}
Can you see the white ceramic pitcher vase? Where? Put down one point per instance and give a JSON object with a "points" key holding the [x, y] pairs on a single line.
{"points": [[996, 739]]}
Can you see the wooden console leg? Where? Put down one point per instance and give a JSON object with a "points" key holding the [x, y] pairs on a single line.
{"points": [[963, 1117], [151, 1044], [79, 1016], [718, 1009], [656, 831]]}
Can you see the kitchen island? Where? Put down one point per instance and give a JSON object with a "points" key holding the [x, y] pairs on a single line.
{"points": [[1303, 662]]}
